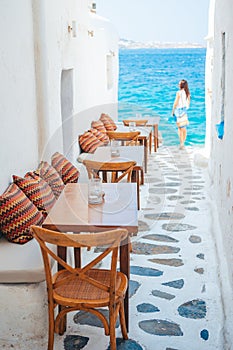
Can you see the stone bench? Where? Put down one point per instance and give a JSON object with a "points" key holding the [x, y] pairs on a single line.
{"points": [[23, 294]]}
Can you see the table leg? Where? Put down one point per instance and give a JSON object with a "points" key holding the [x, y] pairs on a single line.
{"points": [[150, 142], [136, 178], [77, 257], [156, 137], [145, 153], [125, 268], [62, 253]]}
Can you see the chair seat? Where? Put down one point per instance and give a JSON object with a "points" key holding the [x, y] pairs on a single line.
{"points": [[81, 291]]}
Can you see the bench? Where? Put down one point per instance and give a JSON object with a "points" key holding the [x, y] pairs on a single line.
{"points": [[23, 295]]}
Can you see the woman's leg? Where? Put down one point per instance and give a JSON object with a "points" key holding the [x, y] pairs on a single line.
{"points": [[180, 135], [182, 132]]}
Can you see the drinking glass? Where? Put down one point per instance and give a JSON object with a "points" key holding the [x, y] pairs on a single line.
{"points": [[115, 151], [95, 191], [132, 126]]}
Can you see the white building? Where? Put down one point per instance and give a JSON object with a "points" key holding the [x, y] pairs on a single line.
{"points": [[58, 60], [219, 89]]}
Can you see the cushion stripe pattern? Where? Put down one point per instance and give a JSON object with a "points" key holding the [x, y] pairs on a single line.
{"points": [[38, 191], [17, 214], [51, 176], [89, 142], [67, 171], [100, 136], [98, 125], [108, 122]]}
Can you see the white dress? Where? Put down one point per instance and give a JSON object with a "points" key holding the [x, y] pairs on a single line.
{"points": [[183, 101]]}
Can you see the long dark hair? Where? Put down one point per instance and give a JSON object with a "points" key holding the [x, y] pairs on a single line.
{"points": [[184, 85]]}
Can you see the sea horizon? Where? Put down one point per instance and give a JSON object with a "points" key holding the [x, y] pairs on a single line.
{"points": [[132, 44]]}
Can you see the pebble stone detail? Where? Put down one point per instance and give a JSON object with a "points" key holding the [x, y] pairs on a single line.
{"points": [[128, 344], [145, 271], [169, 262], [195, 309], [160, 327], [204, 334], [178, 284], [150, 249], [195, 239], [163, 295], [178, 227], [165, 216], [146, 308], [75, 342], [160, 238]]}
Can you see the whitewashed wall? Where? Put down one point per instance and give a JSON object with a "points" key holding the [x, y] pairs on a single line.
{"points": [[18, 130], [37, 50], [221, 156]]}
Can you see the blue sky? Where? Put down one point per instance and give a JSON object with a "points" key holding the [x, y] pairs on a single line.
{"points": [[158, 20]]}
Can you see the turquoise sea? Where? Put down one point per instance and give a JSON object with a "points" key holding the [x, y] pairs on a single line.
{"points": [[148, 82]]}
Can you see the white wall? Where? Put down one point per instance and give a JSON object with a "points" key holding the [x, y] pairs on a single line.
{"points": [[36, 47], [18, 131], [221, 155]]}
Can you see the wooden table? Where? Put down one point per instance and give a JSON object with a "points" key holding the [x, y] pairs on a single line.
{"points": [[127, 153], [152, 121], [145, 138], [71, 213]]}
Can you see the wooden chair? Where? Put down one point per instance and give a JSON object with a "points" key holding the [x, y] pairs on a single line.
{"points": [[138, 122], [86, 288], [117, 170], [126, 138]]}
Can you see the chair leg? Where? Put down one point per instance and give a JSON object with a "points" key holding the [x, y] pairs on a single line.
{"points": [[112, 328], [51, 328], [122, 320]]}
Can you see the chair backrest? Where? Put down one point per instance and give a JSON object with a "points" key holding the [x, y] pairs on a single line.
{"points": [[109, 240], [123, 136], [125, 168], [138, 122]]}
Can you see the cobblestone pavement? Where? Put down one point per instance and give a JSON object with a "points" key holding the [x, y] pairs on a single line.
{"points": [[175, 301]]}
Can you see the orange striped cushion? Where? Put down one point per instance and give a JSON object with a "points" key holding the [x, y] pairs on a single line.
{"points": [[38, 191], [51, 176], [100, 136], [89, 142], [108, 122], [67, 171], [99, 125], [17, 214]]}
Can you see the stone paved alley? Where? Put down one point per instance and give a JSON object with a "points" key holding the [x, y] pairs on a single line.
{"points": [[175, 301]]}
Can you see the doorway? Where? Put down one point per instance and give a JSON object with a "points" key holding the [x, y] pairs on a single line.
{"points": [[67, 111]]}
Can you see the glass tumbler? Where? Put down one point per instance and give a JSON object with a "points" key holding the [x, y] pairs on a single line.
{"points": [[95, 191]]}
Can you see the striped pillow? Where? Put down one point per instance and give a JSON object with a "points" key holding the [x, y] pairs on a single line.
{"points": [[67, 171], [99, 125], [51, 176], [89, 142], [108, 122], [38, 191], [17, 214], [100, 136]]}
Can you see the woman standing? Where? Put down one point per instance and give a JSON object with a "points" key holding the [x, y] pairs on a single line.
{"points": [[180, 106]]}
